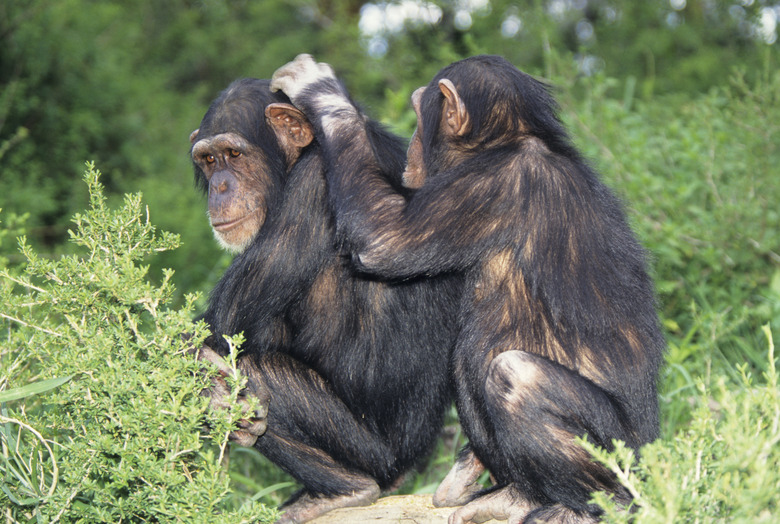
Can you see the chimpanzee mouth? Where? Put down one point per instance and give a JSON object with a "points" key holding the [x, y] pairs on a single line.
{"points": [[227, 225]]}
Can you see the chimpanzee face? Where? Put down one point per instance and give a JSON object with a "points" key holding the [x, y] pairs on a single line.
{"points": [[243, 176], [238, 185]]}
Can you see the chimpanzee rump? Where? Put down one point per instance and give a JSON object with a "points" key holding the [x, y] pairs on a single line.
{"points": [[558, 333], [356, 368]]}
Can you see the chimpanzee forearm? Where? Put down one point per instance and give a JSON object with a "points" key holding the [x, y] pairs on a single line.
{"points": [[353, 164]]}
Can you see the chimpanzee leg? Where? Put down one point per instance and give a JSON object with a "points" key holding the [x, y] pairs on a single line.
{"points": [[315, 438], [461, 483], [537, 408]]}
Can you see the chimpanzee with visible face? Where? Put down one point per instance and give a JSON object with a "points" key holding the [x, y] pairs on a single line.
{"points": [[356, 368], [559, 336]]}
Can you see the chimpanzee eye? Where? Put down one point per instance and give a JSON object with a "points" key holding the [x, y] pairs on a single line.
{"points": [[234, 153], [209, 159]]}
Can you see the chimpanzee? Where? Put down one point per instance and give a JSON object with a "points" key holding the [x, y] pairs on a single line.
{"points": [[356, 368], [558, 333]]}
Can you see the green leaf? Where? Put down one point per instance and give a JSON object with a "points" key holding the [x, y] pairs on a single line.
{"points": [[35, 388]]}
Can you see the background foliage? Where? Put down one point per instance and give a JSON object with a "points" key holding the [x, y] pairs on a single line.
{"points": [[676, 102]]}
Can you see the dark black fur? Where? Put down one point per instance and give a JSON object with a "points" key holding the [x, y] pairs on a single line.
{"points": [[356, 367], [559, 335]]}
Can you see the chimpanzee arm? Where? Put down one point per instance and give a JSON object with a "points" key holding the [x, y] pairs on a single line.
{"points": [[444, 226]]}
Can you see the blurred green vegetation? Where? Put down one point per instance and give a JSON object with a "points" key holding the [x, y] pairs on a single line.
{"points": [[676, 102]]}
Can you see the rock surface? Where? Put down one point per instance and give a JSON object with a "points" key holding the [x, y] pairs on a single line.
{"points": [[397, 509]]}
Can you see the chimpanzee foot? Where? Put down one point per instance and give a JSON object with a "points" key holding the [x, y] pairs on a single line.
{"points": [[254, 424], [307, 507], [460, 485], [559, 514], [503, 504]]}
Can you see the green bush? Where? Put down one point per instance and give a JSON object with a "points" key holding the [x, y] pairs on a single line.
{"points": [[110, 426], [725, 467]]}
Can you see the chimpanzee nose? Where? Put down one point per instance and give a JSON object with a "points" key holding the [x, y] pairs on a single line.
{"points": [[220, 188], [219, 182]]}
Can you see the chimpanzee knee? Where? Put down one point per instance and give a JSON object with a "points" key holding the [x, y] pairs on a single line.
{"points": [[510, 377]]}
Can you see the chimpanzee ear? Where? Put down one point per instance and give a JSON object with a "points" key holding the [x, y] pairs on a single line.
{"points": [[194, 136], [456, 117], [292, 129]]}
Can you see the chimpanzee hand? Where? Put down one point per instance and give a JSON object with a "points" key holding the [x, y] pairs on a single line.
{"points": [[315, 90], [254, 424], [303, 72]]}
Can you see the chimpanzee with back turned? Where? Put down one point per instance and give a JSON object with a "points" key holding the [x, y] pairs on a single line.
{"points": [[356, 368], [559, 336]]}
